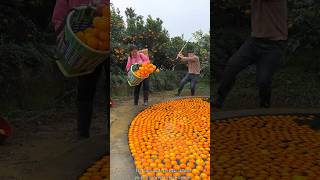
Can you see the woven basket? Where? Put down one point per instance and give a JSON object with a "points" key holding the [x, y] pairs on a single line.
{"points": [[76, 58], [133, 79]]}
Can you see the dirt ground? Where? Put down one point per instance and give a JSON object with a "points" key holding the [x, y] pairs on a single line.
{"points": [[40, 137]]}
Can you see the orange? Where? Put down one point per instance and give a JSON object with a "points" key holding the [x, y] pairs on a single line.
{"points": [[197, 177], [203, 175], [103, 46], [195, 171], [190, 164], [84, 178], [96, 21], [190, 175], [104, 36], [200, 168], [102, 24], [176, 174], [176, 167], [150, 174], [81, 36], [183, 166], [183, 161], [96, 178], [152, 165], [159, 174], [174, 163], [93, 42], [92, 31], [105, 11]]}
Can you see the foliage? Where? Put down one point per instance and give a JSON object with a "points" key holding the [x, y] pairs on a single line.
{"points": [[305, 20], [232, 27], [150, 34], [29, 76]]}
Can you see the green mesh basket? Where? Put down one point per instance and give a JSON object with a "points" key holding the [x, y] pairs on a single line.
{"points": [[133, 79], [76, 58]]}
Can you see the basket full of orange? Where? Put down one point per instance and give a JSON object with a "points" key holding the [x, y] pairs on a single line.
{"points": [[85, 42], [138, 72]]}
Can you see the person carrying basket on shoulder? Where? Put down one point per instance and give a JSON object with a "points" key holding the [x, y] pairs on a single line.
{"points": [[86, 83], [135, 57]]}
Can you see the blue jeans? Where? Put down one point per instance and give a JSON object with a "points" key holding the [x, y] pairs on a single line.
{"points": [[193, 78], [265, 54]]}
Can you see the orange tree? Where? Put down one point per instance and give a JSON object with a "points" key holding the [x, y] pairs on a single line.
{"points": [[149, 33], [232, 26]]}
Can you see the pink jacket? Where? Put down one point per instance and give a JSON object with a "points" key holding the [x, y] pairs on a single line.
{"points": [[140, 59], [62, 8]]}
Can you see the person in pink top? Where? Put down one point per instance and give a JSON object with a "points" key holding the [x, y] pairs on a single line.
{"points": [[86, 83], [63, 7], [138, 58]]}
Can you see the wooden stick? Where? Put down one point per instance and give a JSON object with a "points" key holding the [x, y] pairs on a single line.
{"points": [[183, 48]]}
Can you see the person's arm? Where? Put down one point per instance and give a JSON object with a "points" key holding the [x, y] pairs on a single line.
{"points": [[189, 59], [60, 12], [144, 58], [129, 63]]}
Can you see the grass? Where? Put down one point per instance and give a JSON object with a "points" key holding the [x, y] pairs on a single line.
{"points": [[202, 89], [292, 87]]}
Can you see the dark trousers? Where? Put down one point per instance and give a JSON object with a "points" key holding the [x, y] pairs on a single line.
{"points": [[193, 78], [86, 92], [145, 84], [265, 54]]}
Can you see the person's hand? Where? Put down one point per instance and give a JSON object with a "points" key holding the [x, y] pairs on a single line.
{"points": [[180, 55]]}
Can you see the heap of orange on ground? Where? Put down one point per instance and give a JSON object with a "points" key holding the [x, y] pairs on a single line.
{"points": [[266, 147], [171, 140], [98, 171], [97, 36], [145, 70]]}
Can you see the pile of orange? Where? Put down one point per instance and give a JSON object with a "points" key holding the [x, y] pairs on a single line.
{"points": [[266, 147], [172, 139], [97, 36], [145, 70], [98, 171]]}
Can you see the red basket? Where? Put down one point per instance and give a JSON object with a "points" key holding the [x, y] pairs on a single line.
{"points": [[4, 125]]}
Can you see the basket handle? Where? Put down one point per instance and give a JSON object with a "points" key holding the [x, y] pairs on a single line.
{"points": [[62, 25]]}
